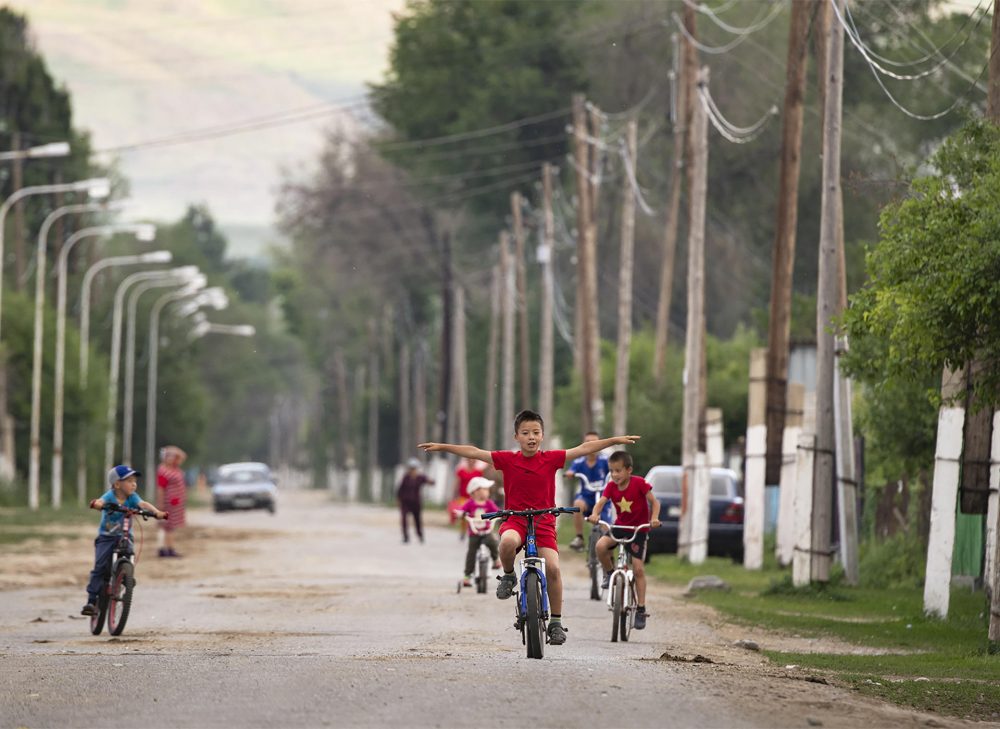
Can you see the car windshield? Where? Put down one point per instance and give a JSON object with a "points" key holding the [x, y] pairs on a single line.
{"points": [[243, 476], [668, 483]]}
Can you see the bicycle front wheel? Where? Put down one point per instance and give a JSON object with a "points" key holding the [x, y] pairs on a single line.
{"points": [[97, 621], [533, 627], [121, 597], [592, 563], [617, 606]]}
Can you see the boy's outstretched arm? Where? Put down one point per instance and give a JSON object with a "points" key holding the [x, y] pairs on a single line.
{"points": [[462, 451], [593, 446]]}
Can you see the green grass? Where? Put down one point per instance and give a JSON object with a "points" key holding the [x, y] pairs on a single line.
{"points": [[958, 676], [19, 523]]}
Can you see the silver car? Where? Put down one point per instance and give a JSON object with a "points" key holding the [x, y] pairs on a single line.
{"points": [[247, 485]]}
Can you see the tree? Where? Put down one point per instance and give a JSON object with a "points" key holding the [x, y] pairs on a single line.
{"points": [[933, 292]]}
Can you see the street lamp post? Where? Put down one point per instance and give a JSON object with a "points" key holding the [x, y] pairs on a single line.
{"points": [[34, 460], [153, 353], [93, 185], [52, 149], [194, 284], [88, 279], [144, 232], [183, 272]]}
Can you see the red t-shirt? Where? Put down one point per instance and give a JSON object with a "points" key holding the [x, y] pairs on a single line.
{"points": [[529, 483], [630, 502], [464, 476]]}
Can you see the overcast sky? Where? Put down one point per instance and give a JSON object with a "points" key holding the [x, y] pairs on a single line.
{"points": [[150, 73]]}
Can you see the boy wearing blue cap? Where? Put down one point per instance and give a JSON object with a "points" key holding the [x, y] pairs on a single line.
{"points": [[121, 491]]}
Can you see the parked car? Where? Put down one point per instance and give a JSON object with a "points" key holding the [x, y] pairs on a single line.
{"points": [[725, 521], [244, 486]]}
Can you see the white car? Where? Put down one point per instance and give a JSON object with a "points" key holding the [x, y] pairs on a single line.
{"points": [[247, 485]]}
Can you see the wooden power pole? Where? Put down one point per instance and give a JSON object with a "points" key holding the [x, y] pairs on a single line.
{"points": [[783, 254], [492, 353], [524, 347], [583, 217], [507, 335], [546, 365], [692, 414], [625, 266], [826, 308], [681, 120], [993, 113]]}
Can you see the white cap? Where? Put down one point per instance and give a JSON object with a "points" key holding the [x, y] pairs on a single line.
{"points": [[479, 482]]}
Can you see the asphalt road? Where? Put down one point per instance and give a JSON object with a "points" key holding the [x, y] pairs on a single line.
{"points": [[320, 616]]}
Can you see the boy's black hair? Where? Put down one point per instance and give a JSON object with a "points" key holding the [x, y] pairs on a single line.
{"points": [[591, 432], [622, 457], [528, 416]]}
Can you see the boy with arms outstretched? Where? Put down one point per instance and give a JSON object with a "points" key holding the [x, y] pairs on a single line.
{"points": [[635, 504], [530, 483]]}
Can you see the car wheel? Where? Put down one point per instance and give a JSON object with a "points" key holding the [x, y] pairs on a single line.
{"points": [[270, 508]]}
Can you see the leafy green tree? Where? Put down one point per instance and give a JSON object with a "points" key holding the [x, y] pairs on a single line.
{"points": [[933, 289]]}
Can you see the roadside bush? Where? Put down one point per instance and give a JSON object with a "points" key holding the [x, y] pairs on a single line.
{"points": [[898, 561]]}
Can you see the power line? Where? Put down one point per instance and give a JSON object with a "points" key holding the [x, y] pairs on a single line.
{"points": [[475, 133]]}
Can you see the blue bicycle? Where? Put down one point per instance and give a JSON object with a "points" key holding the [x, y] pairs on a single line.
{"points": [[531, 604]]}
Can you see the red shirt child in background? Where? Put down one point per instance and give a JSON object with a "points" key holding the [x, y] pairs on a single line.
{"points": [[635, 505], [479, 531]]}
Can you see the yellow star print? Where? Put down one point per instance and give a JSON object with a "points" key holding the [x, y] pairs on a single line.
{"points": [[624, 506]]}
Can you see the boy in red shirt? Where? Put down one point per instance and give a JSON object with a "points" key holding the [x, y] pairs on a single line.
{"points": [[635, 504], [529, 478]]}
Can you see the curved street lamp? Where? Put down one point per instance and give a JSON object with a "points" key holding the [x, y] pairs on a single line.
{"points": [[34, 457], [195, 283], [183, 273], [88, 279], [143, 232], [52, 149]]}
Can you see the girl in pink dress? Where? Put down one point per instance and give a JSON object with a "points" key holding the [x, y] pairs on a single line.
{"points": [[171, 494]]}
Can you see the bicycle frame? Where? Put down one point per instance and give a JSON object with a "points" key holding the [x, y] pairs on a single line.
{"points": [[623, 562]]}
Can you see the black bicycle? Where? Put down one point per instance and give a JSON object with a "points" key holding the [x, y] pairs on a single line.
{"points": [[115, 598], [531, 606]]}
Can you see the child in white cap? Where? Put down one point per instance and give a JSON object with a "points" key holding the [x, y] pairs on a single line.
{"points": [[480, 531]]}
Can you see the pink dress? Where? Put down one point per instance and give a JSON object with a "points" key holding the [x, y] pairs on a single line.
{"points": [[172, 493]]}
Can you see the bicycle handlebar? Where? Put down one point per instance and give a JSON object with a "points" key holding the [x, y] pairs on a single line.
{"points": [[623, 540], [555, 510], [126, 510], [586, 483]]}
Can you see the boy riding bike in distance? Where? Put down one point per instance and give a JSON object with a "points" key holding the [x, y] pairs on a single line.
{"points": [[529, 478], [594, 468], [635, 504], [122, 485]]}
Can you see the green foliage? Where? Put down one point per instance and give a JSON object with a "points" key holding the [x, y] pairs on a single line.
{"points": [[933, 288], [898, 561]]}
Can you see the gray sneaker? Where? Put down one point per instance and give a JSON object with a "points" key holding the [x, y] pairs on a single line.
{"points": [[506, 585], [557, 634], [606, 581], [640, 619], [577, 544]]}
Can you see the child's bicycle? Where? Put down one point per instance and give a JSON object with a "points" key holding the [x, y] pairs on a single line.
{"points": [[593, 566], [531, 604], [115, 599], [480, 527], [622, 597]]}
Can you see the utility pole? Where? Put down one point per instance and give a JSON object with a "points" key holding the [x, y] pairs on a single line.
{"points": [[993, 113], [406, 442], [490, 422], [692, 416], [507, 335], [344, 410], [447, 306], [524, 347], [783, 255], [546, 365], [826, 308], [680, 121], [374, 475], [754, 500], [420, 394], [625, 266], [583, 218], [591, 313], [460, 390]]}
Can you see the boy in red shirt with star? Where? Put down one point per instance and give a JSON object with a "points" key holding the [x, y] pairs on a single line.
{"points": [[529, 480], [635, 504]]}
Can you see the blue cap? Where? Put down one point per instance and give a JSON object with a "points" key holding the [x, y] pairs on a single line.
{"points": [[119, 473]]}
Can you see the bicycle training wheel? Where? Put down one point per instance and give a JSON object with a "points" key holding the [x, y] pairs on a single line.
{"points": [[121, 597], [533, 627], [482, 576], [97, 621], [617, 606], [592, 563]]}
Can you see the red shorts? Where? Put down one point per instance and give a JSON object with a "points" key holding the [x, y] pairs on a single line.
{"points": [[545, 530]]}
